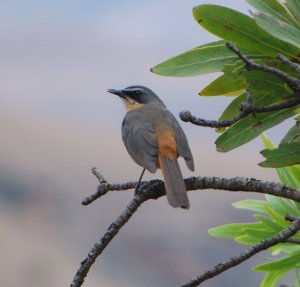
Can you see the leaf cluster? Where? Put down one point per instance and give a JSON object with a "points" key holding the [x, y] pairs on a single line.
{"points": [[273, 30], [269, 215]]}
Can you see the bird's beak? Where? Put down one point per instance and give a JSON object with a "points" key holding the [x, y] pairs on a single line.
{"points": [[119, 93]]}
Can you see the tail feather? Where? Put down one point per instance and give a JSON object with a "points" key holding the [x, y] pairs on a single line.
{"points": [[174, 183]]}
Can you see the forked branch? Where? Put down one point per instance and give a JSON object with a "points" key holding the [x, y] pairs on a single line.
{"points": [[155, 189], [248, 108]]}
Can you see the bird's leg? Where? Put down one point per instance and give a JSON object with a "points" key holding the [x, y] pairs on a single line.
{"points": [[139, 182]]}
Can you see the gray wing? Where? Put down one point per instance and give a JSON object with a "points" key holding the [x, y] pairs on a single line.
{"points": [[183, 148], [141, 143]]}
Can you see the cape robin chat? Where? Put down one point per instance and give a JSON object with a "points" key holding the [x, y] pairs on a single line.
{"points": [[154, 139]]}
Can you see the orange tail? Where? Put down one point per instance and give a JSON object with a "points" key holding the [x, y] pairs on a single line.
{"points": [[174, 183]]}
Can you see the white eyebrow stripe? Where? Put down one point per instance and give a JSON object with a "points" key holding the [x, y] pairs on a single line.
{"points": [[133, 89]]}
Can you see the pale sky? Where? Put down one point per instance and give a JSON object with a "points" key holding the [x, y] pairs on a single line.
{"points": [[58, 58]]}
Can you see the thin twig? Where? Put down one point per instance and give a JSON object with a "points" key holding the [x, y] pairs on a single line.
{"points": [[96, 172], [295, 67], [290, 218], [112, 231], [246, 109], [254, 249], [105, 240], [105, 187], [293, 240], [292, 82]]}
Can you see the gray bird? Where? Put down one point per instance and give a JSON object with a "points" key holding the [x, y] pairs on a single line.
{"points": [[154, 139]]}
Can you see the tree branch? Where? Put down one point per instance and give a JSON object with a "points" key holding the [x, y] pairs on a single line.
{"points": [[105, 187], [292, 82], [293, 240], [247, 108], [105, 240], [295, 67], [254, 249], [234, 184], [145, 190], [237, 184], [155, 189]]}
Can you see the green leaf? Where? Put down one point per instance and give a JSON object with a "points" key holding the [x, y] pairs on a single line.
{"points": [[208, 58], [287, 175], [273, 277], [266, 89], [285, 263], [293, 175], [237, 68], [282, 206], [260, 234], [267, 142], [284, 155], [293, 135], [250, 127], [289, 207], [290, 176], [286, 248], [251, 204], [277, 216], [279, 29], [232, 230], [240, 29], [232, 109], [275, 202], [273, 8], [246, 239], [279, 205], [225, 86], [294, 8], [269, 223]]}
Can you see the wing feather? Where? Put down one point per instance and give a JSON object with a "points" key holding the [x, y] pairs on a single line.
{"points": [[141, 143]]}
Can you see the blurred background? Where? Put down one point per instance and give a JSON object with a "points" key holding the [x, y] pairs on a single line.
{"points": [[57, 121]]}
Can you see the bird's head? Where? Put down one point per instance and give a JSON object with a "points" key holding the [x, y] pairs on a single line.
{"points": [[136, 96]]}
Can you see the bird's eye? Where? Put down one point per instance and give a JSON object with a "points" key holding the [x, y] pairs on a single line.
{"points": [[133, 92]]}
